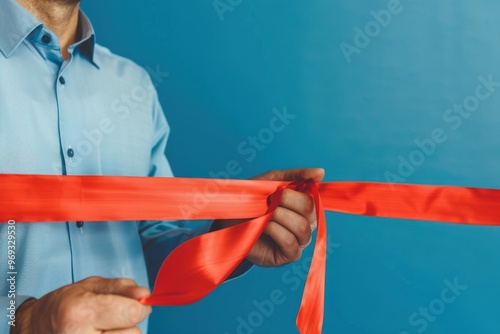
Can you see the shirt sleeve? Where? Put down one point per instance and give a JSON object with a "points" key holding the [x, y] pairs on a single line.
{"points": [[160, 238]]}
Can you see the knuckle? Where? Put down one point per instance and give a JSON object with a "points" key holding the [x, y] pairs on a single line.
{"points": [[136, 313], [294, 256], [74, 314], [287, 195], [103, 301], [92, 280], [309, 205], [278, 214], [122, 282], [283, 215], [290, 242], [304, 228]]}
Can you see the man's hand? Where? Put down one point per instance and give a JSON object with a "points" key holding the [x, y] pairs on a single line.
{"points": [[93, 305], [289, 230]]}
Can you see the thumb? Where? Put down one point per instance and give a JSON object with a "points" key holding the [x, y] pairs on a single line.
{"points": [[135, 292], [117, 286]]}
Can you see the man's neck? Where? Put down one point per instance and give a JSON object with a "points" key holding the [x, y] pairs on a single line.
{"points": [[59, 16]]}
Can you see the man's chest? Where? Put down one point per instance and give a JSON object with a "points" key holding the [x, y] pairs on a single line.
{"points": [[85, 123]]}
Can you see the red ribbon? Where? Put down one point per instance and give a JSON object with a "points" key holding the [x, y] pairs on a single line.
{"points": [[199, 265]]}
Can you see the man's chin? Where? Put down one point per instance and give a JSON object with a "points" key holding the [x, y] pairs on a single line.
{"points": [[66, 2]]}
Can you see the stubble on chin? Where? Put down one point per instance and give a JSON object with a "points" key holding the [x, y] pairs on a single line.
{"points": [[64, 2]]}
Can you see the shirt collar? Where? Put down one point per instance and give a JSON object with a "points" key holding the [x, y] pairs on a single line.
{"points": [[16, 24], [86, 38]]}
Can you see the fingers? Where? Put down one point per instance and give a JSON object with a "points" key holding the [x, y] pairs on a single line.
{"points": [[300, 203], [114, 304], [289, 249], [103, 285], [118, 286], [136, 292], [292, 224], [113, 311], [315, 174], [132, 330], [295, 224], [290, 228]]}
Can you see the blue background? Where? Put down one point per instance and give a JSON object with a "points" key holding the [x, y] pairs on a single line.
{"points": [[355, 119]]}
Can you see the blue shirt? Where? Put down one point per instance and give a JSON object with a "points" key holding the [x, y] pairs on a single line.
{"points": [[94, 113]]}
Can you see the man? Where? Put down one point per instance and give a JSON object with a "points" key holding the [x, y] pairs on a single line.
{"points": [[69, 106]]}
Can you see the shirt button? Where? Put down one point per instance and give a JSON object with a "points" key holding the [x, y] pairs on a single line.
{"points": [[46, 39], [79, 224], [70, 152], [62, 81]]}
